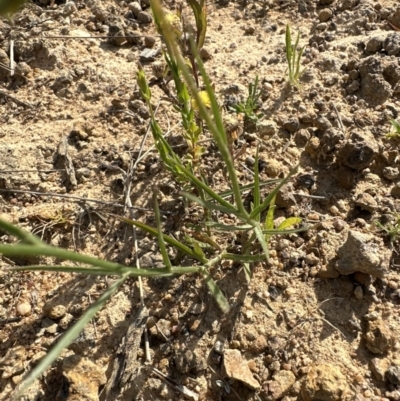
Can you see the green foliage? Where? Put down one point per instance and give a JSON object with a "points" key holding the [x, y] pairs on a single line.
{"points": [[197, 110], [392, 230], [251, 105], [200, 15], [395, 131], [293, 57]]}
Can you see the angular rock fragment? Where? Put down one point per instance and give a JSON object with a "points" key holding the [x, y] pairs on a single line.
{"points": [[236, 368], [359, 151], [84, 378], [324, 382], [281, 384], [379, 367], [375, 90], [378, 336], [363, 253], [393, 375], [366, 202]]}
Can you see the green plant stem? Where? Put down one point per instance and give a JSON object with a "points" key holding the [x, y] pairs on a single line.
{"points": [[131, 272], [216, 128]]}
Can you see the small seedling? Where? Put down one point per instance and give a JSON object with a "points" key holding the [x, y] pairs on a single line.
{"points": [[395, 131], [251, 105], [293, 58], [391, 229]]}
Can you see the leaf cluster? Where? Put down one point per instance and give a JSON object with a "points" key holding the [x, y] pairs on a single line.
{"points": [[293, 57], [395, 131], [250, 106]]}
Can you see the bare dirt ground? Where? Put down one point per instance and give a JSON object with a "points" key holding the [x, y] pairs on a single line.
{"points": [[320, 320]]}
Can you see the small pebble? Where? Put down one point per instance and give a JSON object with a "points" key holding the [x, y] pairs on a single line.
{"points": [[24, 308], [144, 17], [205, 53], [325, 15], [149, 41], [267, 86], [313, 216], [334, 210], [358, 293]]}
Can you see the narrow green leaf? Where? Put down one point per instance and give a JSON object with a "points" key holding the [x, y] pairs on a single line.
{"points": [[272, 194], [160, 235], [260, 236], [216, 292], [244, 258], [226, 194], [132, 272], [203, 186], [247, 272], [269, 220], [169, 240], [200, 14], [256, 191], [95, 271], [217, 128], [197, 248], [22, 235], [288, 42], [224, 227], [211, 205], [46, 250]]}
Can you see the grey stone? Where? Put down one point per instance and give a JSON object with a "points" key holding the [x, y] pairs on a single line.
{"points": [[322, 123], [367, 202], [134, 38], [325, 14], [205, 53], [291, 125], [116, 34], [395, 192], [144, 17], [378, 367], [149, 54], [149, 41], [185, 361], [359, 151], [375, 44], [392, 44], [267, 128], [375, 90], [135, 8], [363, 253], [54, 311], [393, 375], [390, 173]]}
